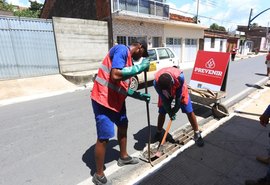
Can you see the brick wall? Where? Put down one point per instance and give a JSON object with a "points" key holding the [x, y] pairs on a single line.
{"points": [[103, 9], [84, 9]]}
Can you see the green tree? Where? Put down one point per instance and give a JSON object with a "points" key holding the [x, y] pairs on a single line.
{"points": [[255, 25], [35, 6], [215, 26], [222, 28], [27, 13], [33, 11], [5, 6]]}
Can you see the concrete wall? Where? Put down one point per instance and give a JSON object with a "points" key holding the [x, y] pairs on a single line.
{"points": [[188, 55], [207, 45], [183, 32], [81, 45]]}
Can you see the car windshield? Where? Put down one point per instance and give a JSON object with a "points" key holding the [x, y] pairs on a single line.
{"points": [[170, 53], [163, 54], [152, 54]]}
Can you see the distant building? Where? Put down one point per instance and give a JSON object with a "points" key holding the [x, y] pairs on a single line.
{"points": [[6, 13], [214, 40], [257, 36], [127, 19]]}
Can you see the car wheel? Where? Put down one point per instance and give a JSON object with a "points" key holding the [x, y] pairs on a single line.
{"points": [[134, 83]]}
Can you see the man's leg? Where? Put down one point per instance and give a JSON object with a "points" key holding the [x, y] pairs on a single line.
{"points": [[100, 150], [122, 139], [124, 159], [160, 123], [193, 121], [197, 135]]}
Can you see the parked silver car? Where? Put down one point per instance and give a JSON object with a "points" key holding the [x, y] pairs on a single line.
{"points": [[159, 58]]}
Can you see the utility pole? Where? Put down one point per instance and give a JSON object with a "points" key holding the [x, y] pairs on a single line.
{"points": [[197, 16], [250, 20], [267, 37], [250, 14], [110, 26]]}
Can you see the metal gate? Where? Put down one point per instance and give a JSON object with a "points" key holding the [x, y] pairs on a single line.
{"points": [[27, 48]]}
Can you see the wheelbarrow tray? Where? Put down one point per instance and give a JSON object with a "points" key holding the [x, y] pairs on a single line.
{"points": [[210, 98], [195, 97]]}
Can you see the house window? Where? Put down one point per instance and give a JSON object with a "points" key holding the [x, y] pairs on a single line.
{"points": [[173, 41], [191, 42], [212, 42], [177, 41], [121, 40], [127, 40], [169, 41], [221, 45], [131, 39], [156, 42]]}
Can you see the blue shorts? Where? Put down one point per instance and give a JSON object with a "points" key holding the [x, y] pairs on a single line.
{"points": [[185, 108], [106, 118]]}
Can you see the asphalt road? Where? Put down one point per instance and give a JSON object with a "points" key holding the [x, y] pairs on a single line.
{"points": [[50, 141]]}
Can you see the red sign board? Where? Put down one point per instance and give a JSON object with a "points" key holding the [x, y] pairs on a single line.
{"points": [[209, 70]]}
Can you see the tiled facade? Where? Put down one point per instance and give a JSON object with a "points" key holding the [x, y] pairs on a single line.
{"points": [[136, 29]]}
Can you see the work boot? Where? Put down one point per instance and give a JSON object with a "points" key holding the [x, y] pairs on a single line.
{"points": [[127, 160], [198, 139], [264, 160], [97, 180], [262, 181]]}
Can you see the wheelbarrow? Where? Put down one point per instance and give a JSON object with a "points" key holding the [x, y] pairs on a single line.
{"points": [[206, 97]]}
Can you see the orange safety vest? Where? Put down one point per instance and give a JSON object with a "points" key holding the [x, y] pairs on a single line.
{"points": [[175, 73], [107, 92]]}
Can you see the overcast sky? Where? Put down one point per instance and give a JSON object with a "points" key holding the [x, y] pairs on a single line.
{"points": [[227, 13]]}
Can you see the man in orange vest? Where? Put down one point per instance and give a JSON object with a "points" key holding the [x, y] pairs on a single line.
{"points": [[111, 87], [170, 85], [233, 53]]}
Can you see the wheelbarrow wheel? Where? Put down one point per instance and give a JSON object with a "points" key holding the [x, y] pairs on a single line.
{"points": [[219, 111]]}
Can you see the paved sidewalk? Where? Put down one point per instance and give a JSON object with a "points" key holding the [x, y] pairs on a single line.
{"points": [[19, 90], [228, 156]]}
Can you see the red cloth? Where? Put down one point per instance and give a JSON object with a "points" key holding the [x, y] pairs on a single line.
{"points": [[268, 56], [107, 92]]}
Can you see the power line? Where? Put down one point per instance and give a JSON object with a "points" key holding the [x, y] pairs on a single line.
{"points": [[211, 3], [205, 17]]}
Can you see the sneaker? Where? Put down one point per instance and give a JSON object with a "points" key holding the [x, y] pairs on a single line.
{"points": [[127, 160], [198, 139], [264, 160], [100, 180], [262, 181]]}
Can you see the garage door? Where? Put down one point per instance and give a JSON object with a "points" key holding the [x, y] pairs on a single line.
{"points": [[190, 50], [175, 45]]}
